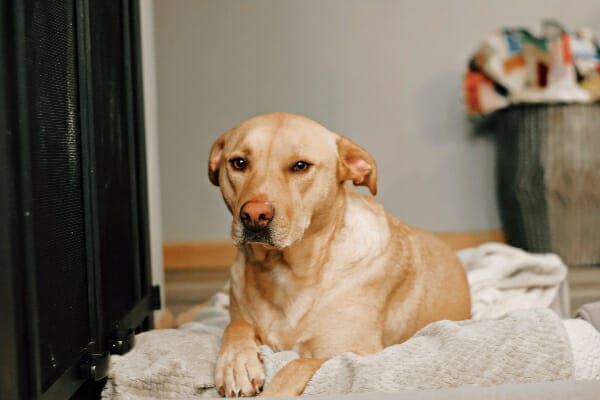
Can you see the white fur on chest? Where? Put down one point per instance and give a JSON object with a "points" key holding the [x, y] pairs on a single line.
{"points": [[364, 237], [294, 304], [295, 300], [280, 316]]}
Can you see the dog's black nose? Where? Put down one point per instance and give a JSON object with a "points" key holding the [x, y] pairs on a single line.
{"points": [[256, 215]]}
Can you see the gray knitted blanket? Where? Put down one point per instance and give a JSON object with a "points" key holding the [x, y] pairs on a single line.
{"points": [[524, 346], [531, 345]]}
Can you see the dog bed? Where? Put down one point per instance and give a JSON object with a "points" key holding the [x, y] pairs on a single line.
{"points": [[513, 338]]}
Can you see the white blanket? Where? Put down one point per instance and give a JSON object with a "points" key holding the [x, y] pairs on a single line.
{"points": [[522, 346], [503, 278]]}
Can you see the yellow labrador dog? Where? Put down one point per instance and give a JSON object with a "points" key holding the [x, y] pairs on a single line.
{"points": [[321, 269]]}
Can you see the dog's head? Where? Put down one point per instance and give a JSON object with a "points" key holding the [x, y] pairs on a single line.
{"points": [[280, 173]]}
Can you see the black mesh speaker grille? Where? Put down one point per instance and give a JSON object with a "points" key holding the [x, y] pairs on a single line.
{"points": [[58, 212], [112, 148]]}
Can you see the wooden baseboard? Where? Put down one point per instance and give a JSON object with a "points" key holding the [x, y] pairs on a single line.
{"points": [[221, 253], [208, 254], [463, 239]]}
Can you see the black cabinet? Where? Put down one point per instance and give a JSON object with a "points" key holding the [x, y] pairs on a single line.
{"points": [[75, 280]]}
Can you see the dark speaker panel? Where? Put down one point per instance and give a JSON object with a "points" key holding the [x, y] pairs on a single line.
{"points": [[74, 265], [58, 215], [114, 161]]}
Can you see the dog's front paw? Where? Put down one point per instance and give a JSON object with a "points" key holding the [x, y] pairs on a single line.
{"points": [[239, 372]]}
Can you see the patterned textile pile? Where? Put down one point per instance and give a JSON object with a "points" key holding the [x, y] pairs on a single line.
{"points": [[514, 66]]}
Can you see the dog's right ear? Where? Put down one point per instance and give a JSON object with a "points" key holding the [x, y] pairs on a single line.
{"points": [[216, 158], [356, 164]]}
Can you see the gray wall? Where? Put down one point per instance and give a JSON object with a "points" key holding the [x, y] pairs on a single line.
{"points": [[385, 73]]}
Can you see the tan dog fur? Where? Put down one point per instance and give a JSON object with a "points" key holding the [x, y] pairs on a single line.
{"points": [[340, 273]]}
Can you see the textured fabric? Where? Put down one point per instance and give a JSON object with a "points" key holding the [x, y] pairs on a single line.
{"points": [[524, 346], [514, 66], [166, 364], [585, 346], [521, 346], [503, 278], [562, 302], [171, 363]]}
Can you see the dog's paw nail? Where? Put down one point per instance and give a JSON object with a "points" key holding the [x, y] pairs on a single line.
{"points": [[222, 391], [232, 393]]}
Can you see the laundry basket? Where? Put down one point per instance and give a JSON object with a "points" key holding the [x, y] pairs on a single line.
{"points": [[548, 176]]}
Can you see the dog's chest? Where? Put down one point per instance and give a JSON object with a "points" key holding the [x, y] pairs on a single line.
{"points": [[278, 306], [283, 333], [282, 314], [296, 316]]}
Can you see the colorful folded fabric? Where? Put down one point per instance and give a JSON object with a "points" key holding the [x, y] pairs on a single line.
{"points": [[514, 66]]}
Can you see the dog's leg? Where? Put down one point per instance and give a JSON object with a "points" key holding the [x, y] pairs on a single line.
{"points": [[239, 371], [292, 379]]}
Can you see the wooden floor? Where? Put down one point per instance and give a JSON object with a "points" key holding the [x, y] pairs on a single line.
{"points": [[186, 287]]}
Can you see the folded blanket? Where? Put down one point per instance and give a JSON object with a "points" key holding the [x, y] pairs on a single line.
{"points": [[521, 346], [503, 278]]}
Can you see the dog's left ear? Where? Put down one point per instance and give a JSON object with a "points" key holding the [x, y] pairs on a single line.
{"points": [[215, 158], [356, 164]]}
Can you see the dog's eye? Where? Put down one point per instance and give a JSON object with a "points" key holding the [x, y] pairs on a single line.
{"points": [[300, 166], [239, 163]]}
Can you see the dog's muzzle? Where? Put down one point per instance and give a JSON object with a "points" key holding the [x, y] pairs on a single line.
{"points": [[256, 217]]}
